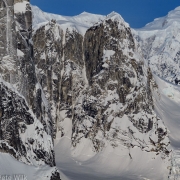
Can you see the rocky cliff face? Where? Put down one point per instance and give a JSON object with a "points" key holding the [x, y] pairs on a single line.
{"points": [[26, 122], [117, 104], [99, 81], [28, 85], [90, 75], [48, 63], [8, 42], [22, 135]]}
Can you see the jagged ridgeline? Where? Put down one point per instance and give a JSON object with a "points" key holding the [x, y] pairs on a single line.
{"points": [[26, 127]]}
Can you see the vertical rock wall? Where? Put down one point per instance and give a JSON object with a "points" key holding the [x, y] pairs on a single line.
{"points": [[25, 119], [8, 53], [102, 85]]}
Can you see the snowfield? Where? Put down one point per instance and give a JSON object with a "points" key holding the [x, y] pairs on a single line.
{"points": [[11, 167]]}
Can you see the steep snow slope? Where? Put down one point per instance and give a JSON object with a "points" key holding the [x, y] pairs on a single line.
{"points": [[80, 22], [167, 105], [160, 43]]}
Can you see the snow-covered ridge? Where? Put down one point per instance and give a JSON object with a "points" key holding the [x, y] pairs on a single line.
{"points": [[114, 16], [80, 22]]}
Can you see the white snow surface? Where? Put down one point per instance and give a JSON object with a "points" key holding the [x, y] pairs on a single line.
{"points": [[167, 106], [11, 167], [20, 7]]}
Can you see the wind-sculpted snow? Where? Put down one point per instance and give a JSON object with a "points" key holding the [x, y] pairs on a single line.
{"points": [[159, 41]]}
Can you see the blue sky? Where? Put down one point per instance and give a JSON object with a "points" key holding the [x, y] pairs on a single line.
{"points": [[136, 12]]}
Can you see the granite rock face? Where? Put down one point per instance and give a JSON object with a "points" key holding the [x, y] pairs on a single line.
{"points": [[17, 64], [26, 128], [101, 85], [8, 41], [48, 62], [117, 105], [28, 85], [22, 135]]}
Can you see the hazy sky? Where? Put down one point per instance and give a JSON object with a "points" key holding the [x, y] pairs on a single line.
{"points": [[136, 12]]}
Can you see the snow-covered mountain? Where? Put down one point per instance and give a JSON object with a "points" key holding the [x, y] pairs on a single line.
{"points": [[100, 93], [160, 43], [84, 86]]}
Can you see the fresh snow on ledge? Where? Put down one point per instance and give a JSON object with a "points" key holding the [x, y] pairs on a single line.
{"points": [[20, 7]]}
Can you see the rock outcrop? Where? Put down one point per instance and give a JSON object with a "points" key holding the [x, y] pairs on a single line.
{"points": [[21, 134]]}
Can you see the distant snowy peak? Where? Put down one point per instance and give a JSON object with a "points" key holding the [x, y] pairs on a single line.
{"points": [[172, 18], [160, 44]]}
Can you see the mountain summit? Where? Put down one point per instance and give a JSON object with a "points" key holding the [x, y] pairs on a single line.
{"points": [[101, 94]]}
